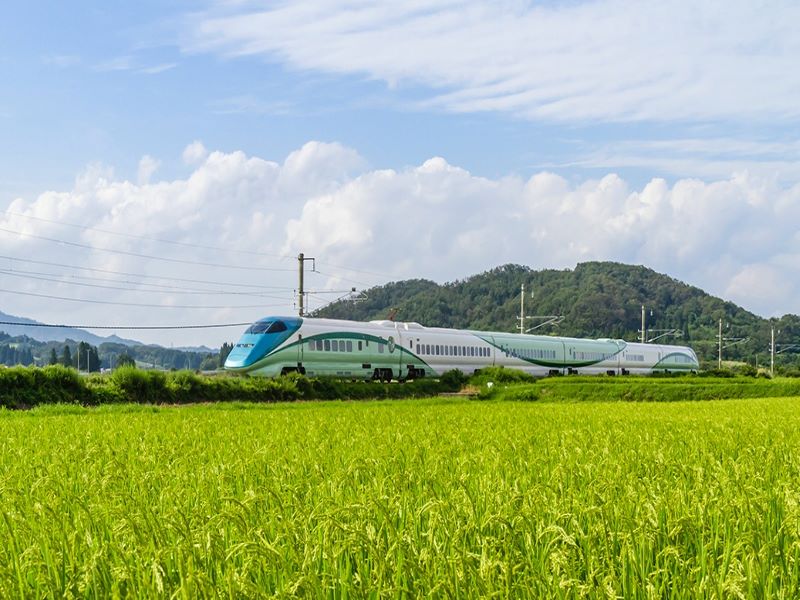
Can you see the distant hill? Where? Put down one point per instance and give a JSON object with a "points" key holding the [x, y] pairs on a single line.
{"points": [[55, 334], [597, 299]]}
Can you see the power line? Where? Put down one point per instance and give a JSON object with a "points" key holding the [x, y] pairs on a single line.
{"points": [[144, 237], [361, 283], [174, 290], [139, 255], [136, 304], [381, 275], [176, 243], [142, 275], [127, 327]]}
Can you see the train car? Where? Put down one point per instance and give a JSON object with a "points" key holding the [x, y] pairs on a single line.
{"points": [[387, 350]]}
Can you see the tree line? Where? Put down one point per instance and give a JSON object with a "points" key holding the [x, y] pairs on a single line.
{"points": [[22, 350]]}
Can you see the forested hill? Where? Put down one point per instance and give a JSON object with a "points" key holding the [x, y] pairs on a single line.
{"points": [[597, 299]]}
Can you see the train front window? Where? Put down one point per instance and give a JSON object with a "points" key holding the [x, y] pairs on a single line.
{"points": [[277, 327], [260, 327], [266, 327]]}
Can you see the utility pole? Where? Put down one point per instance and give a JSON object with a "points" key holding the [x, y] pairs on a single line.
{"points": [[301, 260], [644, 331], [88, 368], [522, 309], [772, 353], [719, 357]]}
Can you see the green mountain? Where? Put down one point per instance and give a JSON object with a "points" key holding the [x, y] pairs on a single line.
{"points": [[596, 299]]}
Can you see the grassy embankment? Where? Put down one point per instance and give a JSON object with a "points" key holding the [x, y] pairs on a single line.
{"points": [[389, 499]]}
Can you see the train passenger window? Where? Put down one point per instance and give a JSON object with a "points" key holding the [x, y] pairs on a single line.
{"points": [[359, 345], [335, 345], [427, 348], [327, 345], [437, 349], [349, 345]]}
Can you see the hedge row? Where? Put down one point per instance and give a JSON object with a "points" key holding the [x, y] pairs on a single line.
{"points": [[25, 387]]}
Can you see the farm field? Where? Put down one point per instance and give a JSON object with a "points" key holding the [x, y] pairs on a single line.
{"points": [[416, 498]]}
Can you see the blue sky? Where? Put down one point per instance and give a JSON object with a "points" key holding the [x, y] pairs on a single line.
{"points": [[109, 82], [500, 91]]}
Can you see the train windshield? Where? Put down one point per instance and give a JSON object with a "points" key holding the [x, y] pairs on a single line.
{"points": [[266, 327]]}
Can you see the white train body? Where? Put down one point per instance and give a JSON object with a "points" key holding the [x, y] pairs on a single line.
{"points": [[394, 350]]}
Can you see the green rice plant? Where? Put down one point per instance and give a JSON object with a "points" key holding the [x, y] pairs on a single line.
{"points": [[428, 498]]}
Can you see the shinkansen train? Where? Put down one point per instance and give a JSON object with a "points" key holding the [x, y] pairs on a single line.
{"points": [[387, 350]]}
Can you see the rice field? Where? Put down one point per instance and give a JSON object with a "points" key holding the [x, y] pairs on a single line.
{"points": [[439, 498]]}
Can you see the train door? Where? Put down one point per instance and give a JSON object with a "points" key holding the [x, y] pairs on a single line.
{"points": [[300, 353], [396, 345], [492, 352]]}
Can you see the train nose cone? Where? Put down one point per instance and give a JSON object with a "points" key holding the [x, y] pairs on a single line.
{"points": [[239, 357]]}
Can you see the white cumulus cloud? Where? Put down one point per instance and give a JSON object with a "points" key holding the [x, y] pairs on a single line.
{"points": [[237, 222]]}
